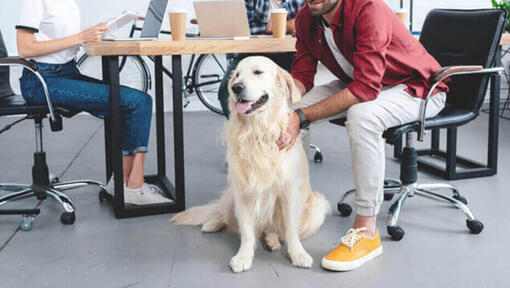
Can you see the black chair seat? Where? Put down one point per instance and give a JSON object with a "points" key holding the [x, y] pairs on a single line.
{"points": [[450, 116], [16, 105]]}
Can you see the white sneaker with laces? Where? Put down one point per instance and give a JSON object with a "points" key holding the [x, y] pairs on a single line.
{"points": [[147, 194]]}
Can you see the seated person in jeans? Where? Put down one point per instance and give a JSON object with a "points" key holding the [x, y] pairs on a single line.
{"points": [[49, 35], [259, 18]]}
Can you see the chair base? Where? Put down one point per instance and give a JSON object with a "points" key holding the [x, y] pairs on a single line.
{"points": [[410, 190], [54, 190], [43, 185]]}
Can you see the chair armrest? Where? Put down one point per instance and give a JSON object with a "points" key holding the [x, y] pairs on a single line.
{"points": [[56, 122], [11, 61], [450, 71], [447, 72]]}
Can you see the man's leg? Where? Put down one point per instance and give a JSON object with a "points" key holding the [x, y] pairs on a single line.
{"points": [[365, 125]]}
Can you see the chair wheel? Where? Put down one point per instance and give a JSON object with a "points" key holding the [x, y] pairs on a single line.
{"points": [[461, 199], [388, 197], [344, 209], [104, 196], [26, 224], [474, 226], [54, 179], [396, 232], [68, 218], [317, 158]]}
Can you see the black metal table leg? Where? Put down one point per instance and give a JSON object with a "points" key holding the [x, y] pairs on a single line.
{"points": [[160, 116], [107, 128], [115, 127], [178, 131]]}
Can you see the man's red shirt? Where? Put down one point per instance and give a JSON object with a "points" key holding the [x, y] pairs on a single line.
{"points": [[373, 39]]}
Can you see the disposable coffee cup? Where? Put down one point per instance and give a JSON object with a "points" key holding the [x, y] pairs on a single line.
{"points": [[403, 15], [178, 24], [279, 22]]}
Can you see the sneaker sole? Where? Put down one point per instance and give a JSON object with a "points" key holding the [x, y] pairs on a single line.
{"points": [[351, 265]]}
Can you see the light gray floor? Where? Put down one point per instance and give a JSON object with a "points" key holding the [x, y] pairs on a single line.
{"points": [[101, 251]]}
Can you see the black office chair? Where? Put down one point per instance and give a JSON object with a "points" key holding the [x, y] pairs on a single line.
{"points": [[453, 37], [42, 184]]}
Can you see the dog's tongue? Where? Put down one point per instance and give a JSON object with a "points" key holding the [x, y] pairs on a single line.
{"points": [[243, 107]]}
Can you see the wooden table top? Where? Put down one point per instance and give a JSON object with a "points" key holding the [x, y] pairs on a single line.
{"points": [[168, 47], [202, 46]]}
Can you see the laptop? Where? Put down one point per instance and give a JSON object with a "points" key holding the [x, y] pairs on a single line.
{"points": [[222, 19], [152, 23]]}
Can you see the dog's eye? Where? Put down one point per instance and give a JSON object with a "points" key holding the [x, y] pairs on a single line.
{"points": [[237, 74], [257, 72]]}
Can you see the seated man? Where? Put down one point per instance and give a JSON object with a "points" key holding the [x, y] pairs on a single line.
{"points": [[382, 73], [259, 18]]}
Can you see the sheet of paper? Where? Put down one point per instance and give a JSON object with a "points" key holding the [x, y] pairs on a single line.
{"points": [[121, 20]]}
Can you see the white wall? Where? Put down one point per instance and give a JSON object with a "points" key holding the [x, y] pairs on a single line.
{"points": [[94, 11]]}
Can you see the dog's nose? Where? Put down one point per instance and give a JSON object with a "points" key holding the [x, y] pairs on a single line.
{"points": [[238, 88]]}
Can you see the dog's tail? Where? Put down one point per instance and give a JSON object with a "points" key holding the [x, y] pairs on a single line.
{"points": [[315, 212], [211, 216], [197, 215]]}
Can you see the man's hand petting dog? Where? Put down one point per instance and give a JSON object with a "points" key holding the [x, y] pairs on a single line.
{"points": [[287, 140]]}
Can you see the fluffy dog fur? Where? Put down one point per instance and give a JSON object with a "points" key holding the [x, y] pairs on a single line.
{"points": [[269, 193]]}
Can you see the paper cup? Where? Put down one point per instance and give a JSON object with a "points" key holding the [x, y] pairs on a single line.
{"points": [[403, 15], [279, 22], [178, 24]]}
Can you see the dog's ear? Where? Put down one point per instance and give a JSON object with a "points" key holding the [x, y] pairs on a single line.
{"points": [[287, 80], [231, 79]]}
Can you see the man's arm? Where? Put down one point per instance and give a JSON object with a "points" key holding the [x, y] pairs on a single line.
{"points": [[331, 106]]}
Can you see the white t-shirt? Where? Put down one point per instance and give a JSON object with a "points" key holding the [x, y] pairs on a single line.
{"points": [[344, 64], [51, 20]]}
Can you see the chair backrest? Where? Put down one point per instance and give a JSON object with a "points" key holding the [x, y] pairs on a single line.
{"points": [[464, 37], [5, 84]]}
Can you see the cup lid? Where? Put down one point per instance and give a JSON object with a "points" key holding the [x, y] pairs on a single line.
{"points": [[401, 10], [177, 10], [279, 10]]}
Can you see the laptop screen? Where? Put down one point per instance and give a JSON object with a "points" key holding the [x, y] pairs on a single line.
{"points": [[154, 19]]}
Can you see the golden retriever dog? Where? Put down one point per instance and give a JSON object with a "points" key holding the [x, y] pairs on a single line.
{"points": [[269, 193]]}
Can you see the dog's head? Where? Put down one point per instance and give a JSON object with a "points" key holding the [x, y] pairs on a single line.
{"points": [[258, 86]]}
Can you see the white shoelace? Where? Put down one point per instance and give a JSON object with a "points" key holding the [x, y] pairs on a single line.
{"points": [[153, 189], [351, 237]]}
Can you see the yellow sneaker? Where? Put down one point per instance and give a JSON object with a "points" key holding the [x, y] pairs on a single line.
{"points": [[355, 250]]}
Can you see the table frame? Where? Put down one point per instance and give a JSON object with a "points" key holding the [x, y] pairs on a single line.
{"points": [[113, 136]]}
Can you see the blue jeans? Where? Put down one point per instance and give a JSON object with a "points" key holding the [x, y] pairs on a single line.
{"points": [[69, 88]]}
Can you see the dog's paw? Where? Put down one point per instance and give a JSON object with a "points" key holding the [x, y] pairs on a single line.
{"points": [[272, 243], [240, 263], [302, 259], [212, 226]]}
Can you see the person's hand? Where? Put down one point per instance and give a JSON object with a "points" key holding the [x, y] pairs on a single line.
{"points": [[94, 33], [269, 27], [291, 26], [288, 139]]}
